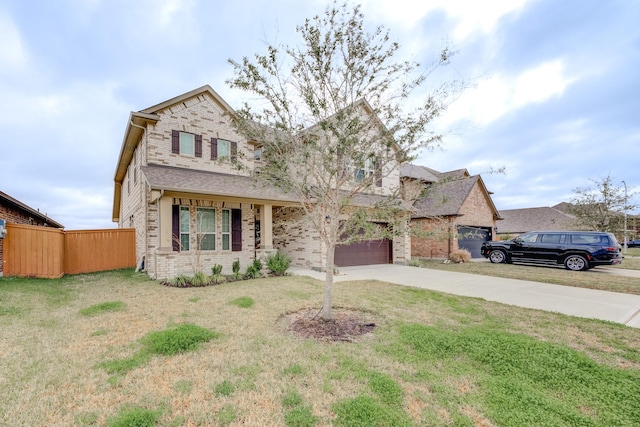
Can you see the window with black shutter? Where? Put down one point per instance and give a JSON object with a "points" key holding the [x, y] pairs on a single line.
{"points": [[186, 143], [236, 230]]}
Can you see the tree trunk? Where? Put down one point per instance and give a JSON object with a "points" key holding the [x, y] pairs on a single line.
{"points": [[327, 307]]}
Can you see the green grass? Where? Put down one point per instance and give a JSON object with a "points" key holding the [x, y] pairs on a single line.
{"points": [[135, 417], [525, 381], [104, 307], [434, 359], [592, 279], [178, 339], [243, 302]]}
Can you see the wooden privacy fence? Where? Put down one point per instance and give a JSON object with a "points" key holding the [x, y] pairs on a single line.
{"points": [[31, 251]]}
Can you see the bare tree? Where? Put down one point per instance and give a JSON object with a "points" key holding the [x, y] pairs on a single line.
{"points": [[335, 124], [601, 208]]}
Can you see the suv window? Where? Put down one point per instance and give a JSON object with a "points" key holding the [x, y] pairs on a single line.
{"points": [[587, 239], [528, 237], [551, 238]]}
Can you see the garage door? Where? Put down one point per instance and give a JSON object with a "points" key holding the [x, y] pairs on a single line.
{"points": [[366, 252], [471, 238]]}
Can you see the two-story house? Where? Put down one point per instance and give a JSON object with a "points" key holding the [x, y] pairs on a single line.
{"points": [[183, 181]]}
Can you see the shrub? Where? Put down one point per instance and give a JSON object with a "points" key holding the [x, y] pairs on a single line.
{"points": [[216, 270], [251, 272], [257, 264], [278, 263], [461, 255], [180, 281], [414, 262], [235, 267], [200, 279]]}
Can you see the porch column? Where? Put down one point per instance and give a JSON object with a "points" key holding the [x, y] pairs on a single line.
{"points": [[266, 227], [164, 223]]}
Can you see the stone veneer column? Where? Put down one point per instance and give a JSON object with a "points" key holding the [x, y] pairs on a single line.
{"points": [[266, 227], [164, 223]]}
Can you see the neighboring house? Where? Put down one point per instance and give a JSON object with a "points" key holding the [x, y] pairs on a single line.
{"points": [[452, 210], [15, 212], [183, 181], [557, 217], [518, 221]]}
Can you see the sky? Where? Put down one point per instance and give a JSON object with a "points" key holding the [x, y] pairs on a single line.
{"points": [[554, 99]]}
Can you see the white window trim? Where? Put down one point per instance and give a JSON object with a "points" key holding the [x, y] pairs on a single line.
{"points": [[201, 233]]}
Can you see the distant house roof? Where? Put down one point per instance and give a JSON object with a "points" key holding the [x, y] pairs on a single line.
{"points": [[7, 199], [422, 173], [446, 191], [516, 221], [444, 198]]}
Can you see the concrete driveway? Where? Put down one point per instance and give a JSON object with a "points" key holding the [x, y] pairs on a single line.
{"points": [[590, 303]]}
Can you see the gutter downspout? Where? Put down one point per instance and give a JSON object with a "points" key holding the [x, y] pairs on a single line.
{"points": [[146, 213]]}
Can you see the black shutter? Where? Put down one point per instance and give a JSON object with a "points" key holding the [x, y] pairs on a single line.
{"points": [[175, 228], [175, 142], [214, 148], [378, 168], [198, 149], [234, 151], [236, 230]]}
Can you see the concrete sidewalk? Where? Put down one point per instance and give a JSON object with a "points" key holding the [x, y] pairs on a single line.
{"points": [[590, 303]]}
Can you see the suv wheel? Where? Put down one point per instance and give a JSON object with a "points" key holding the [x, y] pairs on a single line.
{"points": [[497, 256], [576, 263]]}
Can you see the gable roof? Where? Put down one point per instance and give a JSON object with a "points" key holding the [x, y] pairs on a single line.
{"points": [[444, 198], [6, 199], [446, 191], [135, 130], [516, 221], [422, 173]]}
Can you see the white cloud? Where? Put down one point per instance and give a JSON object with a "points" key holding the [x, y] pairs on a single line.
{"points": [[13, 53], [540, 83], [470, 15], [498, 95]]}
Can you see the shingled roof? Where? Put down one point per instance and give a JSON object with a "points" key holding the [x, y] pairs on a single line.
{"points": [[444, 198], [516, 221], [446, 191], [7, 199], [183, 180]]}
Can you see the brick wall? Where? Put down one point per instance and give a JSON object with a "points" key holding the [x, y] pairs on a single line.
{"points": [[432, 237], [437, 236], [295, 236], [201, 115], [163, 264]]}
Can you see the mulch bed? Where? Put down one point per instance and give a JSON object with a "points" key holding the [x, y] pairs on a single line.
{"points": [[346, 325]]}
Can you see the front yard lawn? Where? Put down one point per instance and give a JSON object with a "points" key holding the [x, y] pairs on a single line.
{"points": [[596, 278], [205, 356]]}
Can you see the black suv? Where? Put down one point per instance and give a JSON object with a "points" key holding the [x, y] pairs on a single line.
{"points": [[577, 250]]}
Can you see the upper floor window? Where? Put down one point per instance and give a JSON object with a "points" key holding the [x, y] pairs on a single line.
{"points": [[367, 170], [257, 153], [223, 149], [186, 143]]}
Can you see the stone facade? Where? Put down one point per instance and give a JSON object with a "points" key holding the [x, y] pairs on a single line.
{"points": [[144, 204], [437, 237]]}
